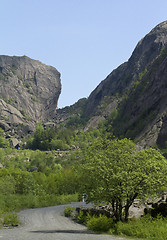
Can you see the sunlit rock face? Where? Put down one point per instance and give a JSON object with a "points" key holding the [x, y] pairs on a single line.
{"points": [[29, 91]]}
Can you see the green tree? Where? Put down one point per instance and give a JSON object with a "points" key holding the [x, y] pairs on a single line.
{"points": [[115, 172]]}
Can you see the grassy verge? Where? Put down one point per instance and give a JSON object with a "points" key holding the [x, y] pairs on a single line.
{"points": [[143, 228], [10, 204]]}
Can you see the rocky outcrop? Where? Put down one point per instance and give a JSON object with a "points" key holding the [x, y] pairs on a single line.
{"points": [[29, 92]]}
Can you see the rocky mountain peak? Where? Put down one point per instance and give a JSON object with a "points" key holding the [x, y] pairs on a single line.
{"points": [[149, 47]]}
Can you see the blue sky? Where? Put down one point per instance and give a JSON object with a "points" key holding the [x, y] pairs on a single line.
{"points": [[84, 39]]}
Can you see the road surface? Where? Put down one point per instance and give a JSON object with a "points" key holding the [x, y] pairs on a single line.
{"points": [[50, 224]]}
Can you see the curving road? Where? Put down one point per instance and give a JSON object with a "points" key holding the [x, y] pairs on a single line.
{"points": [[50, 224]]}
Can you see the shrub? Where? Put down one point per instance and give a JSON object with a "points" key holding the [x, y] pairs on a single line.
{"points": [[100, 224], [68, 212], [81, 217], [10, 219]]}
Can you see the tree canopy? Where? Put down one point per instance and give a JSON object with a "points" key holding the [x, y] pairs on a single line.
{"points": [[114, 171]]}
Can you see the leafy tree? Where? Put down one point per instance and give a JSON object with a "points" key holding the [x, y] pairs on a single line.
{"points": [[115, 172], [50, 138]]}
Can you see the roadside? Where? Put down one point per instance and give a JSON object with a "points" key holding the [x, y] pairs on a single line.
{"points": [[49, 223]]}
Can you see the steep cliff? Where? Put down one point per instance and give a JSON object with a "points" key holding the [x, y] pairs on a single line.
{"points": [[29, 91], [146, 51], [133, 97]]}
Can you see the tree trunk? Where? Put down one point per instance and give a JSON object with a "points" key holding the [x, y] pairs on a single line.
{"points": [[117, 209], [128, 204], [120, 210], [126, 212]]}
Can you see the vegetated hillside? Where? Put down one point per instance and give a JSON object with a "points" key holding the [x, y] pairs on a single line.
{"points": [[72, 115], [29, 92], [133, 97]]}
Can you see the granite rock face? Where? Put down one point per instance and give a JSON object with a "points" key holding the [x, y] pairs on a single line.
{"points": [[29, 91]]}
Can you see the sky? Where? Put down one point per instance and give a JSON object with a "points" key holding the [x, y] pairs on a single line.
{"points": [[85, 40]]}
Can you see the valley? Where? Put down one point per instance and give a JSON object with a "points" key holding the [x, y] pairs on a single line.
{"points": [[111, 146]]}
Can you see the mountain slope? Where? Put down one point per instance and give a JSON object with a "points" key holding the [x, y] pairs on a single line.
{"points": [[135, 93]]}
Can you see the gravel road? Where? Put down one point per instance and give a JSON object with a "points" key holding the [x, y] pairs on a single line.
{"points": [[50, 224]]}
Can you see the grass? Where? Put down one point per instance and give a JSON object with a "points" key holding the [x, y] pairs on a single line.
{"points": [[144, 228], [12, 203], [16, 202]]}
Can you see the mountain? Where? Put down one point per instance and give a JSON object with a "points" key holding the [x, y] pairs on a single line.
{"points": [[136, 92], [131, 101], [29, 91], [133, 98]]}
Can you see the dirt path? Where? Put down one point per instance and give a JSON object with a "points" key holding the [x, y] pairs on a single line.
{"points": [[50, 224]]}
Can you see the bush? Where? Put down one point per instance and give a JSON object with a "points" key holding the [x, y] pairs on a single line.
{"points": [[10, 219], [100, 224], [68, 212], [81, 217]]}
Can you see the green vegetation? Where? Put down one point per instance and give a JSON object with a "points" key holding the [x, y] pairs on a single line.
{"points": [[4, 143], [64, 138], [31, 179], [142, 74], [42, 186], [49, 139], [10, 220], [113, 171], [60, 163], [145, 228], [9, 101], [68, 212], [99, 224]]}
